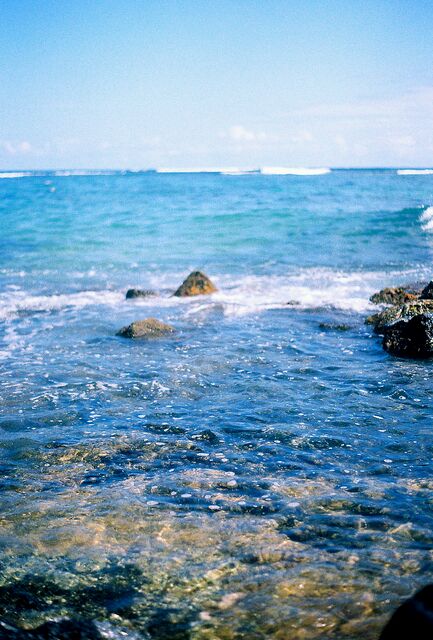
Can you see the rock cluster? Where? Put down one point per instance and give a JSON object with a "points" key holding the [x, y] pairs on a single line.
{"points": [[407, 325], [197, 283]]}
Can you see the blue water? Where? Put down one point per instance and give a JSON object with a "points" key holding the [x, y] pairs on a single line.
{"points": [[262, 473]]}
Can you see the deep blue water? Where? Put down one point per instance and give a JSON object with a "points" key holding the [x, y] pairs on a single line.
{"points": [[259, 474]]}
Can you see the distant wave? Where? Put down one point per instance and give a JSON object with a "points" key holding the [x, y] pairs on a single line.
{"points": [[414, 172], [14, 174], [295, 171]]}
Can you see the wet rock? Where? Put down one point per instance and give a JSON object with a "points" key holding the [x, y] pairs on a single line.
{"points": [[393, 295], [197, 283], [427, 292], [387, 317], [410, 339], [147, 328], [53, 630], [412, 619], [139, 293], [334, 326]]}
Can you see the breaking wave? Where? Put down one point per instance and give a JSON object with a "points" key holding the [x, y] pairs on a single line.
{"points": [[414, 172]]}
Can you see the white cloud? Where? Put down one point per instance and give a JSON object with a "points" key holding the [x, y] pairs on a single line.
{"points": [[239, 133], [16, 148]]}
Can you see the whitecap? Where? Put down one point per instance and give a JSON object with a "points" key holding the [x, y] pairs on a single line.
{"points": [[414, 172], [14, 174]]}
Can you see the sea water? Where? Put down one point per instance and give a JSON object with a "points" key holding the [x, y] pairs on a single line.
{"points": [[265, 471]]}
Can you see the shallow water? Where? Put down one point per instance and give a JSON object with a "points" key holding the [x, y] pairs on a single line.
{"points": [[263, 473]]}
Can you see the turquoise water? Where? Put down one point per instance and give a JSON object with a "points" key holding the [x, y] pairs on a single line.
{"points": [[262, 473]]}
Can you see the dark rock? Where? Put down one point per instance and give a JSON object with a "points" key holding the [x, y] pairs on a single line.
{"points": [[293, 303], [393, 295], [147, 328], [139, 293], [197, 283], [427, 292], [333, 326], [410, 339], [53, 630], [389, 316], [412, 619]]}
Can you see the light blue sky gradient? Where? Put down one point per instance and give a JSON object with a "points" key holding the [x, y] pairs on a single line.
{"points": [[137, 84]]}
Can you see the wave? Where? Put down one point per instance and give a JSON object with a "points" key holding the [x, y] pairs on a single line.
{"points": [[16, 302], [15, 174], [296, 171], [309, 288], [414, 172], [427, 218]]}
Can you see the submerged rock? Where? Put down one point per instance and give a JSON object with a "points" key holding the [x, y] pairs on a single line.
{"points": [[334, 326], [388, 317], [427, 292], [139, 293], [147, 328], [412, 619], [197, 283], [53, 630], [393, 295], [410, 339]]}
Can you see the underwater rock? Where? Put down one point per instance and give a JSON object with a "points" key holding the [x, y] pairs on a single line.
{"points": [[147, 328], [197, 283], [410, 339], [427, 292], [78, 629], [139, 293], [334, 326], [412, 619], [393, 295], [388, 317]]}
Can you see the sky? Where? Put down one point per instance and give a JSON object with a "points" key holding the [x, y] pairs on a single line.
{"points": [[226, 83]]}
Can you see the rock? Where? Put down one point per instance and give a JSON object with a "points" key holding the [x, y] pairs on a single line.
{"points": [[139, 293], [410, 339], [406, 311], [197, 283], [427, 292], [147, 328], [412, 619], [78, 629], [333, 326], [393, 295]]}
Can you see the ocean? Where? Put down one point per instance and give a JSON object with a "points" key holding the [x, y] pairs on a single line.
{"points": [[265, 471]]}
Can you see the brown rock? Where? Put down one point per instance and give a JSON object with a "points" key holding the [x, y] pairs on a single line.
{"points": [[197, 283], [393, 295], [147, 328]]}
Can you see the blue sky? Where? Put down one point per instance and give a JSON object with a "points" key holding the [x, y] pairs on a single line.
{"points": [[239, 83]]}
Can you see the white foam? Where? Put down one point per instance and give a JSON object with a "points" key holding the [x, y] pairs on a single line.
{"points": [[414, 172], [16, 301], [295, 171], [427, 214], [14, 174]]}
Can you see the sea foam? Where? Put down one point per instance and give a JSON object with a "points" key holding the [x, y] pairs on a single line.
{"points": [[414, 172]]}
